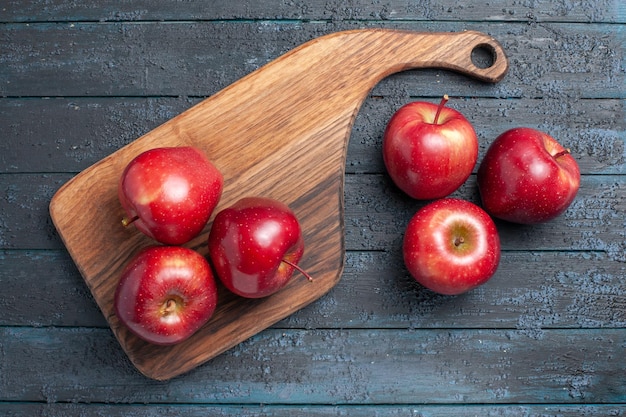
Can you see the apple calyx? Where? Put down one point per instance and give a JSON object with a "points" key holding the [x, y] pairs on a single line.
{"points": [[297, 268], [562, 153], [442, 104], [171, 305]]}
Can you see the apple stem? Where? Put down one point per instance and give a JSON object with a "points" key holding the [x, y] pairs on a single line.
{"points": [[459, 241], [563, 152], [302, 271], [126, 221], [442, 104]]}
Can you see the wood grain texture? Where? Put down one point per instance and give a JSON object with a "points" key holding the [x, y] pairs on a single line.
{"points": [[264, 410], [531, 291], [379, 214], [376, 210], [79, 131], [147, 10], [331, 366], [281, 132], [552, 60]]}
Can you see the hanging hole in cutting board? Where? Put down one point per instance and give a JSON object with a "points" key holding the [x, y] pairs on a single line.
{"points": [[484, 56]]}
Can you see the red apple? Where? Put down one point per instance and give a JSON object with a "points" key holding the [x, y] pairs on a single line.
{"points": [[170, 193], [429, 150], [527, 177], [165, 294], [255, 246], [451, 246]]}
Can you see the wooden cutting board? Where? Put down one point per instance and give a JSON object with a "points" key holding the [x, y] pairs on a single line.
{"points": [[281, 132]]}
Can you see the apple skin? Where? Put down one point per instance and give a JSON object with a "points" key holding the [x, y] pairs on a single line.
{"points": [[165, 294], [248, 242], [451, 246], [527, 177], [169, 193], [426, 156]]}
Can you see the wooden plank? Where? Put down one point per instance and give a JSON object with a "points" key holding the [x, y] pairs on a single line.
{"points": [[25, 221], [44, 288], [417, 410], [61, 134], [52, 135], [331, 366], [70, 134], [531, 291], [376, 213], [612, 11], [200, 58]]}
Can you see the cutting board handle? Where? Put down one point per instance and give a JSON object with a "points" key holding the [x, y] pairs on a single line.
{"points": [[453, 51], [363, 57]]}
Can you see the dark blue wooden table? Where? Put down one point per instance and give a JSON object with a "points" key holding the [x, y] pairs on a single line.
{"points": [[545, 337]]}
